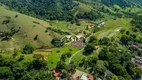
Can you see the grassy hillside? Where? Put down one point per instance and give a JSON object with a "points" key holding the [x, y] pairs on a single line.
{"points": [[28, 27], [31, 28]]}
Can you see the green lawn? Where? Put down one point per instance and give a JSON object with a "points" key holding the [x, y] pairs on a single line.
{"points": [[112, 25], [54, 57]]}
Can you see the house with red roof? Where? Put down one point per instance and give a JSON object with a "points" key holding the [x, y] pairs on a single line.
{"points": [[56, 73]]}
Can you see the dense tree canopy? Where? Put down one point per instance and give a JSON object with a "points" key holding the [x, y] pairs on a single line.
{"points": [[137, 22], [88, 50], [48, 9], [36, 69]]}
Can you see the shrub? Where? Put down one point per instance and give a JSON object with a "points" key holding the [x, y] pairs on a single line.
{"points": [[57, 43], [28, 49], [88, 50], [36, 37], [21, 58], [16, 16], [104, 41], [58, 51]]}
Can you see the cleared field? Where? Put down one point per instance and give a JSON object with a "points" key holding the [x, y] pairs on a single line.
{"points": [[111, 27]]}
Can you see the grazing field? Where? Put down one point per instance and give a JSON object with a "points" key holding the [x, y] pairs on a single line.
{"points": [[28, 27]]}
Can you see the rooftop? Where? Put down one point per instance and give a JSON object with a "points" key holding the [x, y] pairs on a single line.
{"points": [[84, 77], [56, 73]]}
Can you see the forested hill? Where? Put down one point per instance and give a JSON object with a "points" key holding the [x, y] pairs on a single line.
{"points": [[70, 10], [122, 3], [52, 9], [139, 1]]}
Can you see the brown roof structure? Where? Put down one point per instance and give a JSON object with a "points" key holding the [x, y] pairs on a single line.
{"points": [[96, 47], [56, 73]]}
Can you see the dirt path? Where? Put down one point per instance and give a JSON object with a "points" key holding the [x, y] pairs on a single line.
{"points": [[75, 54], [87, 39]]}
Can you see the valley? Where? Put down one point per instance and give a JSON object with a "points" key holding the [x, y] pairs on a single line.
{"points": [[70, 40]]}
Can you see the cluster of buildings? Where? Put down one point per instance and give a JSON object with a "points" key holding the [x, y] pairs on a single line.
{"points": [[135, 46], [78, 75], [77, 40], [73, 37], [136, 59]]}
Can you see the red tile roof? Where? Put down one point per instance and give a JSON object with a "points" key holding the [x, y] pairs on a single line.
{"points": [[56, 73], [90, 77]]}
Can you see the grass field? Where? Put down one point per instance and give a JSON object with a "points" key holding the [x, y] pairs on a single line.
{"points": [[30, 27], [55, 56], [112, 25]]}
